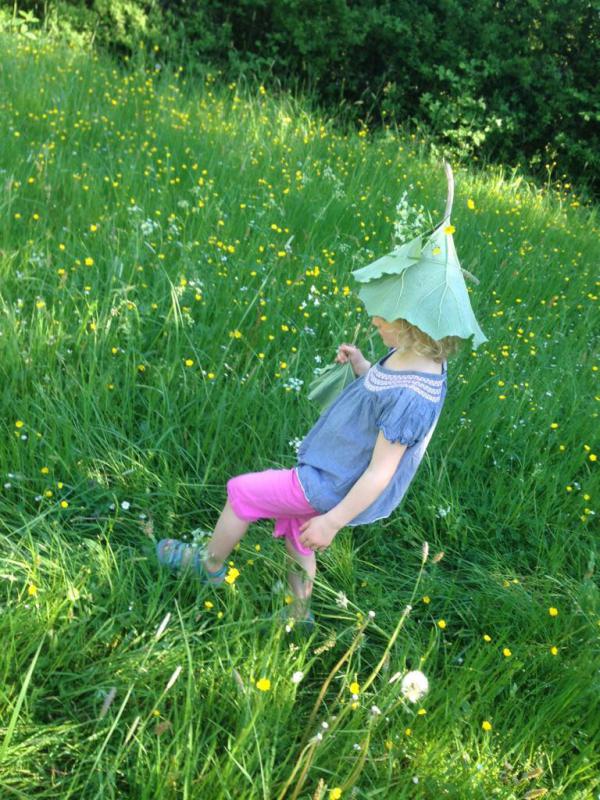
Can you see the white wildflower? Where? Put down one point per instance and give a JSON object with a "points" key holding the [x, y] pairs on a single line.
{"points": [[410, 221], [294, 384], [297, 677], [414, 686]]}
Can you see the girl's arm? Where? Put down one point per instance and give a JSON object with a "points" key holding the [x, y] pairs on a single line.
{"points": [[351, 353], [319, 531]]}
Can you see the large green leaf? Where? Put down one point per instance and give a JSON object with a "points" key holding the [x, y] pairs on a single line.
{"points": [[423, 283], [329, 383]]}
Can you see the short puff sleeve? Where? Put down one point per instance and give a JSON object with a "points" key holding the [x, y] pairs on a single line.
{"points": [[404, 416]]}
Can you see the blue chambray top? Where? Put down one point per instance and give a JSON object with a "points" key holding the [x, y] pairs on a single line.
{"points": [[404, 404]]}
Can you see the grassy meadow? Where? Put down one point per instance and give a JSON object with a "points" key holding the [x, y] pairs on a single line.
{"points": [[175, 263]]}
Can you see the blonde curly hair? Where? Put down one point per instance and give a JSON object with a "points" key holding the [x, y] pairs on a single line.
{"points": [[412, 338]]}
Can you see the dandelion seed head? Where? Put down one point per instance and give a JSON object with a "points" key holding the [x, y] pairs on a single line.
{"points": [[414, 686]]}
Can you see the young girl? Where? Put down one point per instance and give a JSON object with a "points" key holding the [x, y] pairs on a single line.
{"points": [[354, 466]]}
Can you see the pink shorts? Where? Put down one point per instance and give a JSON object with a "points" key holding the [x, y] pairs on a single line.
{"points": [[272, 494]]}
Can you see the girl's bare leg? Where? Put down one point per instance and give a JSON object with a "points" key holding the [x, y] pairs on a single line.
{"points": [[227, 533], [301, 576]]}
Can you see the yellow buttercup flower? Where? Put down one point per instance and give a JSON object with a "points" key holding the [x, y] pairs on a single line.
{"points": [[487, 726], [506, 652], [449, 229], [264, 684], [470, 204], [335, 793], [553, 611], [441, 623], [232, 574]]}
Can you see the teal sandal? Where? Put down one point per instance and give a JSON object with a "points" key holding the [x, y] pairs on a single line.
{"points": [[171, 554]]}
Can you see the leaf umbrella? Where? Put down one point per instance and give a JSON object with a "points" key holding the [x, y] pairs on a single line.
{"points": [[422, 282]]}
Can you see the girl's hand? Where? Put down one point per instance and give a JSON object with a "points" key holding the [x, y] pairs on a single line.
{"points": [[317, 533], [348, 352]]}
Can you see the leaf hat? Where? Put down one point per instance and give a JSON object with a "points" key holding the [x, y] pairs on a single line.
{"points": [[422, 282]]}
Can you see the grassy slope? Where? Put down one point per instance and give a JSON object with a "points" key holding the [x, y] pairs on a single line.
{"points": [[184, 198]]}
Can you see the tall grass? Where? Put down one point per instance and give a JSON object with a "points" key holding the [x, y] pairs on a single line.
{"points": [[174, 264]]}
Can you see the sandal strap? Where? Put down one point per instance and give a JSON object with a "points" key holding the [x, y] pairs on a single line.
{"points": [[171, 554], [200, 568]]}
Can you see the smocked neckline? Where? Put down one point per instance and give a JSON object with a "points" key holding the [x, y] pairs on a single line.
{"points": [[439, 376]]}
